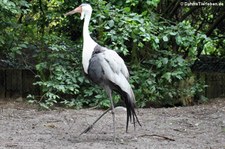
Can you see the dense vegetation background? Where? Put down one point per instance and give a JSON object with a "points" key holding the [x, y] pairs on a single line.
{"points": [[159, 40]]}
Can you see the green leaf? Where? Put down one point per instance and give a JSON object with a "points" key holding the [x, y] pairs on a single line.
{"points": [[165, 38], [140, 44], [127, 9], [173, 33], [165, 60], [179, 40], [180, 60], [156, 40], [98, 96], [111, 23], [167, 76], [159, 64]]}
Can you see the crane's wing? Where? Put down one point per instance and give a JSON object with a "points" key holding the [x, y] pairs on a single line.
{"points": [[107, 65], [115, 62]]}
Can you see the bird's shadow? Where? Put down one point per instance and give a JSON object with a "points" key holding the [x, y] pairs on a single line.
{"points": [[91, 138], [103, 137]]}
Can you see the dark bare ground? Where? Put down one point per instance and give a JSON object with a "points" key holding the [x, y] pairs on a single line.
{"points": [[195, 127]]}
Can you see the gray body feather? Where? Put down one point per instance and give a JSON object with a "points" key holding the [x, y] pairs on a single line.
{"points": [[107, 69]]}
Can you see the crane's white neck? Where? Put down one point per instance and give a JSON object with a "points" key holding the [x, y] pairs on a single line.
{"points": [[86, 34], [88, 43]]}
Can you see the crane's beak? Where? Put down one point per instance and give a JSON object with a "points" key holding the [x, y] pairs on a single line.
{"points": [[76, 10]]}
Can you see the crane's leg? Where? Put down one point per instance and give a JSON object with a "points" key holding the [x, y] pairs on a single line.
{"points": [[109, 92], [91, 126]]}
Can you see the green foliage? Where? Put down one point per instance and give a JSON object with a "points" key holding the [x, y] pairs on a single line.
{"points": [[10, 41], [158, 52], [164, 81]]}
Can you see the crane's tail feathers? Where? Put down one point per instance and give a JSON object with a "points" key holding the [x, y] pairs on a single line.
{"points": [[131, 114], [129, 100]]}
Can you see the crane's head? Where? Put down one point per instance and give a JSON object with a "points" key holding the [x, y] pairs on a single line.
{"points": [[83, 9]]}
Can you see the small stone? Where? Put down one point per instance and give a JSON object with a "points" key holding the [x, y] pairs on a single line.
{"points": [[19, 99]]}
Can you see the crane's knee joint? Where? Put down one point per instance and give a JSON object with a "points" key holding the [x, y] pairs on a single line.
{"points": [[113, 112]]}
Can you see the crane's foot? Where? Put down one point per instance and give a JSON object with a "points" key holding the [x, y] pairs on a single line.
{"points": [[87, 130]]}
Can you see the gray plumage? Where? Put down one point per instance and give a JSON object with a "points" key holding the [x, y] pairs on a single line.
{"points": [[108, 70]]}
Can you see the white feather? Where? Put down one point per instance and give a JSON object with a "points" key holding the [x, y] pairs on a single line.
{"points": [[115, 70], [116, 62], [88, 48]]}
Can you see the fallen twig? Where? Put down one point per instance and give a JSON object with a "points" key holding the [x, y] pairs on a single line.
{"points": [[155, 135]]}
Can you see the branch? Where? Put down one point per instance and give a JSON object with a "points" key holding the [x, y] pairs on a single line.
{"points": [[41, 8], [169, 7], [155, 135], [174, 8], [216, 23], [210, 31], [188, 13], [200, 26], [20, 19]]}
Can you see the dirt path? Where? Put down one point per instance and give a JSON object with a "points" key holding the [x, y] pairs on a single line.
{"points": [[196, 127]]}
